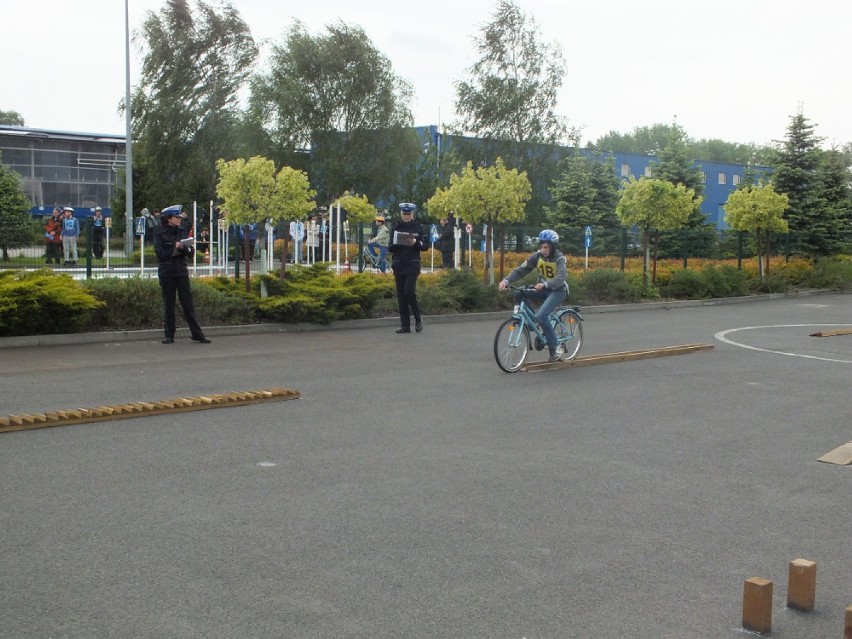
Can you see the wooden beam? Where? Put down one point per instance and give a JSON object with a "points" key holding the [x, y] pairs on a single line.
{"points": [[622, 356], [840, 331], [842, 455], [25, 421]]}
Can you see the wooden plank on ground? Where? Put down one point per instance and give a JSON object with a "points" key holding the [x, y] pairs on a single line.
{"points": [[842, 455], [622, 356], [24, 421], [839, 331]]}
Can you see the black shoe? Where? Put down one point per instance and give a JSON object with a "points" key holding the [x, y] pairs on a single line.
{"points": [[403, 330], [168, 340], [418, 326], [201, 339]]}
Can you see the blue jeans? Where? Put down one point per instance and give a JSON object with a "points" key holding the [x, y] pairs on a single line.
{"points": [[383, 251], [549, 301]]}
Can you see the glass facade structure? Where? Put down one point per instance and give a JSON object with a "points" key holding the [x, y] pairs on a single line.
{"points": [[60, 168]]}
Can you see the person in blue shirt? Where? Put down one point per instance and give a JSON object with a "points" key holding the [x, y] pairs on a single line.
{"points": [[70, 232], [98, 231]]}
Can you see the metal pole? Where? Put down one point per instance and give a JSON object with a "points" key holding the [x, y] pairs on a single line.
{"points": [[128, 146]]}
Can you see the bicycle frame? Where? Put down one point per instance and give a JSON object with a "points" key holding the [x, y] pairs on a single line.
{"points": [[514, 338]]}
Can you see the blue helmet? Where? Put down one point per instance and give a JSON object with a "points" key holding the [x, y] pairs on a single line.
{"points": [[548, 235]]}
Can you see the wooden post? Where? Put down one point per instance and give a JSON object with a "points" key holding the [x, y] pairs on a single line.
{"points": [[757, 605], [801, 585], [847, 628]]}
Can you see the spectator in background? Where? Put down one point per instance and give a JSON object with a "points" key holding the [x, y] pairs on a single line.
{"points": [[311, 239], [98, 232], [203, 242], [70, 233], [52, 236]]}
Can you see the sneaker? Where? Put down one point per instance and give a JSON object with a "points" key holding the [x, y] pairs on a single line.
{"points": [[554, 355], [168, 340], [418, 325], [201, 339], [403, 330]]}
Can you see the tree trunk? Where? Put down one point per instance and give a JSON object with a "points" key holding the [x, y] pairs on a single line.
{"points": [[502, 250], [247, 254], [646, 243]]}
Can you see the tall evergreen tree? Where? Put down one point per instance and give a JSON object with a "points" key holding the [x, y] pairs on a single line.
{"points": [[797, 176], [186, 105], [16, 225], [837, 196]]}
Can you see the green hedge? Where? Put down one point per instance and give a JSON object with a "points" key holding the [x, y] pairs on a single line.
{"points": [[42, 302]]}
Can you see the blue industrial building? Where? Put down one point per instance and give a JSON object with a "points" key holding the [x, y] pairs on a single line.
{"points": [[720, 179]]}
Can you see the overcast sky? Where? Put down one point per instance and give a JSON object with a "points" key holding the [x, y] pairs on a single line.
{"points": [[730, 69]]}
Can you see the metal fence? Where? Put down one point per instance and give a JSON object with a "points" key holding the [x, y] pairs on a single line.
{"points": [[221, 254]]}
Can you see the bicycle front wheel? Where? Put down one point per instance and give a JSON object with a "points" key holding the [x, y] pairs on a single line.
{"points": [[569, 332], [511, 345]]}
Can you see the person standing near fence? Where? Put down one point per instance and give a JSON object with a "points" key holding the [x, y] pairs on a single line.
{"points": [[172, 247], [52, 236], [98, 230], [407, 241], [70, 233]]}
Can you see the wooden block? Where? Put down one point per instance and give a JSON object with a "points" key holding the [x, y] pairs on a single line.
{"points": [[757, 605], [842, 455], [847, 627], [801, 585]]}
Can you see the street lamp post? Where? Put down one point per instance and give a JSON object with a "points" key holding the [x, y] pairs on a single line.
{"points": [[128, 146]]}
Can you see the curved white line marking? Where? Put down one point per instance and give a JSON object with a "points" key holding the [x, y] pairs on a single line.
{"points": [[721, 337]]}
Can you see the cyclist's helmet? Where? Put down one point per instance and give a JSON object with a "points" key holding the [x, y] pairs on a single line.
{"points": [[379, 218], [549, 235]]}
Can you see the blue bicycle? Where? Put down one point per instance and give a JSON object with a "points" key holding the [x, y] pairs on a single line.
{"points": [[514, 338]]}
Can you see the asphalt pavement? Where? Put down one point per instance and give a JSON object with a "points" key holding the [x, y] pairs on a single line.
{"points": [[417, 491]]}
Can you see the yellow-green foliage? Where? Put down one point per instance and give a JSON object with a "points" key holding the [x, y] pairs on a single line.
{"points": [[316, 295], [40, 302]]}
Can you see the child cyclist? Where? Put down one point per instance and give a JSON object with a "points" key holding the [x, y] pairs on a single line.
{"points": [[552, 285]]}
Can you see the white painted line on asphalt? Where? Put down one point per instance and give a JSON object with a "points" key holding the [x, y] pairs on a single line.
{"points": [[267, 464], [721, 337]]}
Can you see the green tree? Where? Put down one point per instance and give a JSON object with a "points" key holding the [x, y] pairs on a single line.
{"points": [[494, 195], [16, 227], [508, 102], [358, 207], [337, 95], [835, 181], [655, 205], [585, 194], [757, 210], [644, 140], [251, 192], [11, 118], [185, 107], [797, 175]]}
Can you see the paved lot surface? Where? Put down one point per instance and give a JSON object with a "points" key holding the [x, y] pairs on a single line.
{"points": [[416, 491]]}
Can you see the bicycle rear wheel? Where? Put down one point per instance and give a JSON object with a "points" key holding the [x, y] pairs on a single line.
{"points": [[569, 332], [511, 345]]}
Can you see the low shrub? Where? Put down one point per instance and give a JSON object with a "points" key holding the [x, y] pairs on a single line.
{"points": [[686, 284], [604, 285], [41, 302], [457, 291], [831, 273]]}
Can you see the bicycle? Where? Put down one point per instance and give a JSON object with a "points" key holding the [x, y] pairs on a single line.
{"points": [[514, 339], [368, 259]]}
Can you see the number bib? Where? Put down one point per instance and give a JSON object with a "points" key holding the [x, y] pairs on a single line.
{"points": [[546, 269]]}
